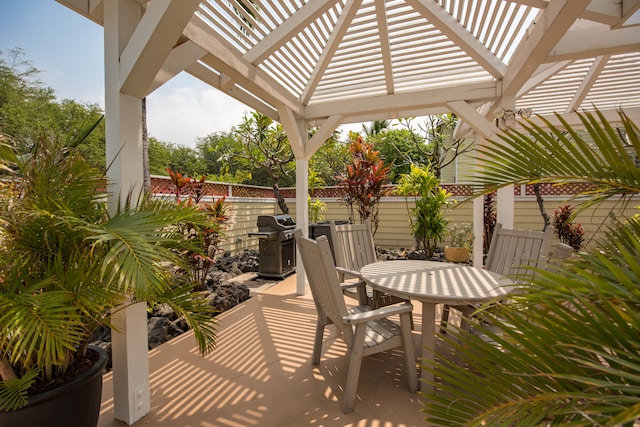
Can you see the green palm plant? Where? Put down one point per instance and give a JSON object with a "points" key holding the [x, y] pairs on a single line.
{"points": [[66, 264], [565, 351]]}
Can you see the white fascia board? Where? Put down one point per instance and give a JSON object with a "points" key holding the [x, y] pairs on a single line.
{"points": [[595, 41], [402, 102]]}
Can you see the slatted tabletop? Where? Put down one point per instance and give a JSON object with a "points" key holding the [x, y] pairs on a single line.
{"points": [[431, 283]]}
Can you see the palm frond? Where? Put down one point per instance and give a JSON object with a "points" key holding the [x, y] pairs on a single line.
{"points": [[565, 350], [561, 155], [196, 310], [13, 393]]}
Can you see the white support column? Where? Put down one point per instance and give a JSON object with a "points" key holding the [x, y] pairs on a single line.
{"points": [[478, 232], [131, 395], [123, 115], [505, 206], [302, 209], [505, 200], [297, 134]]}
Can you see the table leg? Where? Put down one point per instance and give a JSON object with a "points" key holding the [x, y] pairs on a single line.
{"points": [[428, 343]]}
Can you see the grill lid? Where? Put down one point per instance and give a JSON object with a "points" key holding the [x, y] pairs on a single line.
{"points": [[275, 222]]}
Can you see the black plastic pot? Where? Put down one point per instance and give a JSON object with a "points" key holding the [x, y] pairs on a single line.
{"points": [[74, 404]]}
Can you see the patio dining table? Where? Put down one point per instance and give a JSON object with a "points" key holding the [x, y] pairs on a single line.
{"points": [[431, 283]]}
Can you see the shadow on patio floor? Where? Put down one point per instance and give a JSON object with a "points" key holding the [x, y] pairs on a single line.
{"points": [[260, 374]]}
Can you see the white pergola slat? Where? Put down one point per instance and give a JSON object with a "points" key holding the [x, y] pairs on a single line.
{"points": [[323, 63]]}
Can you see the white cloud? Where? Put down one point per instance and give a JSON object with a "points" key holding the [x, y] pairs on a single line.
{"points": [[185, 109]]}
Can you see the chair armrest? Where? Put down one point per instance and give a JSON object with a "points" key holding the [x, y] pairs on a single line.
{"points": [[356, 284], [380, 313], [346, 272]]}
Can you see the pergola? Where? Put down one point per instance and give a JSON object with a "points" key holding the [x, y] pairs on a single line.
{"points": [[323, 63]]}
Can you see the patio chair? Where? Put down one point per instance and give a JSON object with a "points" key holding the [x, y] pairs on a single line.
{"points": [[365, 331], [511, 253], [353, 248]]}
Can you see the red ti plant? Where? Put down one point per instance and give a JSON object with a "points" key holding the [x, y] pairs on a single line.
{"points": [[211, 235], [568, 232], [364, 181], [181, 183]]}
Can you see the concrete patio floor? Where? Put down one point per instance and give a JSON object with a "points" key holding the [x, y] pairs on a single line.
{"points": [[260, 374]]}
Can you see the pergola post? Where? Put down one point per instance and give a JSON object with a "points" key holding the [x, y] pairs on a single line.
{"points": [[302, 209], [505, 199], [297, 131], [123, 119]]}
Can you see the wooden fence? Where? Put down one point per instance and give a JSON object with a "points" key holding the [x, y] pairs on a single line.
{"points": [[246, 203]]}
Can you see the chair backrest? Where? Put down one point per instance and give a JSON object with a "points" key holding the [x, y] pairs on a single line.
{"points": [[353, 246], [512, 252], [323, 280]]}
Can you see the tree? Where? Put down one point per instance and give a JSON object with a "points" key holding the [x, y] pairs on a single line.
{"points": [[564, 350], [441, 149], [263, 143], [214, 150], [185, 160], [330, 157], [400, 149], [29, 111], [376, 127]]}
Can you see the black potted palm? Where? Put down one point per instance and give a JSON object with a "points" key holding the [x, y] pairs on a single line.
{"points": [[66, 265]]}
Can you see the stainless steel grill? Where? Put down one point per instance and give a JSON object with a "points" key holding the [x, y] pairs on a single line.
{"points": [[277, 246]]}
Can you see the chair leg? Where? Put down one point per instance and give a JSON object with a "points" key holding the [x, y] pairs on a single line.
{"points": [[409, 351], [317, 343], [353, 375], [444, 319]]}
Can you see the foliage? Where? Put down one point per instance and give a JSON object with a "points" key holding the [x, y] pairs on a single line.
{"points": [[66, 263], [263, 144], [315, 205], [330, 157], [190, 192], [428, 224], [213, 151], [565, 350], [364, 181], [461, 236], [376, 127], [565, 230], [28, 109], [441, 149], [490, 219], [400, 149]]}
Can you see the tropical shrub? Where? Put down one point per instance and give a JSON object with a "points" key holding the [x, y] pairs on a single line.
{"points": [[564, 228], [67, 264], [428, 224], [490, 219], [364, 181], [564, 350], [189, 191]]}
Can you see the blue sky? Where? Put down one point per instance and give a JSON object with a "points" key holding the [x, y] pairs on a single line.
{"points": [[69, 50]]}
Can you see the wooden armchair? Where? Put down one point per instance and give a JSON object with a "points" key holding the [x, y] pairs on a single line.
{"points": [[511, 253], [366, 331], [353, 248]]}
